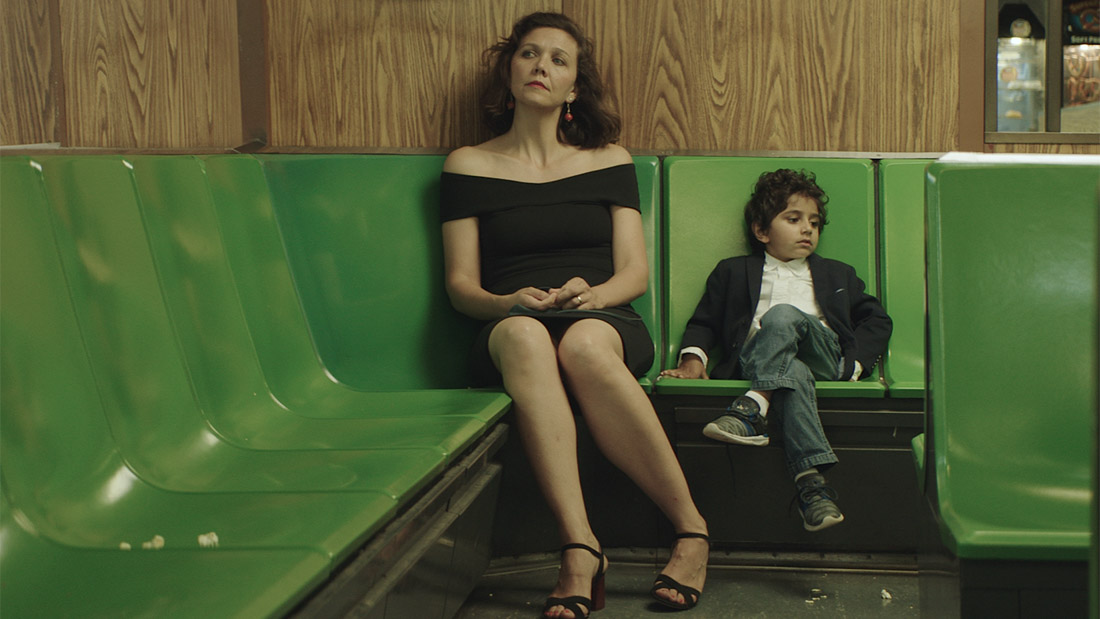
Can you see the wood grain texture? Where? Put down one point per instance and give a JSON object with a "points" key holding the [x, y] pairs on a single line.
{"points": [[28, 92], [1056, 149], [252, 74], [971, 59], [382, 73], [916, 77], [875, 76], [151, 73], [825, 75]]}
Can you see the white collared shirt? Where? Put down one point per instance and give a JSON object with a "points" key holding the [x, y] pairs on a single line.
{"points": [[786, 282], [783, 282]]}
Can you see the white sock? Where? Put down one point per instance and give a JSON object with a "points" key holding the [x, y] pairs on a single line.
{"points": [[760, 401], [809, 471]]}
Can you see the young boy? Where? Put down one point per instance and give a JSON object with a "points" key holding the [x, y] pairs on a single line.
{"points": [[783, 317]]}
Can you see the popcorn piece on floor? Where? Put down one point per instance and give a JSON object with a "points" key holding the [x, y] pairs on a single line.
{"points": [[886, 595], [154, 544], [124, 546], [208, 540]]}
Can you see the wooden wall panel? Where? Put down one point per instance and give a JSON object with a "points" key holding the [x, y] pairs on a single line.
{"points": [[28, 92], [825, 75], [915, 83], [381, 74], [1055, 149], [151, 73], [686, 75]]}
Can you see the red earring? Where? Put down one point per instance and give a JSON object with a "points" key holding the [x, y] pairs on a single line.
{"points": [[510, 103], [568, 113]]}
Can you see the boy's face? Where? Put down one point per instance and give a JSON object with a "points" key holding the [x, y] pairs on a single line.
{"points": [[794, 232]]}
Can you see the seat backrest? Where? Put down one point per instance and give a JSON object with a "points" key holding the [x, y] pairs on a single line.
{"points": [[362, 235], [901, 216], [116, 297], [1012, 306], [51, 423], [198, 288], [704, 222]]}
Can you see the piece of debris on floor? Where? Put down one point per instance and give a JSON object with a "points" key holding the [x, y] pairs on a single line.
{"points": [[154, 544], [815, 595]]}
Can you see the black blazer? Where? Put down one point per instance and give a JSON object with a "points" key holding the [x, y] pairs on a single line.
{"points": [[725, 312]]}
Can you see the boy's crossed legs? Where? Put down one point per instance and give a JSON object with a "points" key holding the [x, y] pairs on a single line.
{"points": [[782, 360]]}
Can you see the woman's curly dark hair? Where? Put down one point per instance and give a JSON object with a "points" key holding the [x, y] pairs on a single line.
{"points": [[594, 125], [770, 196]]}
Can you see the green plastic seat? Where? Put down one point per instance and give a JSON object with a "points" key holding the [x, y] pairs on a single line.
{"points": [[184, 235], [280, 335], [363, 241], [901, 189], [704, 223], [64, 473], [167, 436], [1012, 306]]}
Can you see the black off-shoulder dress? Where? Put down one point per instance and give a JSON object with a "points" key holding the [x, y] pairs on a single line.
{"points": [[543, 235]]}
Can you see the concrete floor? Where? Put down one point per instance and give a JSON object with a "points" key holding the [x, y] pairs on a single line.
{"points": [[745, 585]]}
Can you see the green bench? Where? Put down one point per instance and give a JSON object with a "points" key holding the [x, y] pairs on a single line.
{"points": [[155, 305], [259, 347], [704, 223], [1012, 298], [71, 497], [191, 344], [159, 420]]}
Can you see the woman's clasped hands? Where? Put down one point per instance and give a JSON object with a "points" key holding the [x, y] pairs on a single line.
{"points": [[574, 294]]}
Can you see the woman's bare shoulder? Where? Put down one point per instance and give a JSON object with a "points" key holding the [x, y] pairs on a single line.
{"points": [[464, 160], [479, 160], [611, 155]]}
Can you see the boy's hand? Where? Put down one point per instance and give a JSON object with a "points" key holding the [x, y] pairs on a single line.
{"points": [[690, 366]]}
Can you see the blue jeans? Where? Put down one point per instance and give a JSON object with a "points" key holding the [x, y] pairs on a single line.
{"points": [[786, 355]]}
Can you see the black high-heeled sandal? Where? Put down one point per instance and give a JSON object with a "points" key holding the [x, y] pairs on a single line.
{"points": [[574, 603], [664, 581]]}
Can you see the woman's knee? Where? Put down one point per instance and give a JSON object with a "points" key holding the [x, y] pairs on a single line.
{"points": [[520, 337], [590, 346]]}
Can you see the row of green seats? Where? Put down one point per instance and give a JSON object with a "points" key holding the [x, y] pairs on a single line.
{"points": [[703, 224], [154, 386]]}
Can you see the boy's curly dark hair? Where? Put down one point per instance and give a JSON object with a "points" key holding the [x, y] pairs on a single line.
{"points": [[594, 124], [770, 196]]}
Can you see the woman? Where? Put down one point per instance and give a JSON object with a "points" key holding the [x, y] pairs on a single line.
{"points": [[543, 238]]}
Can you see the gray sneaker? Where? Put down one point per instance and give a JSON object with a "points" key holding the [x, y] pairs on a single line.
{"points": [[742, 426], [816, 503]]}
